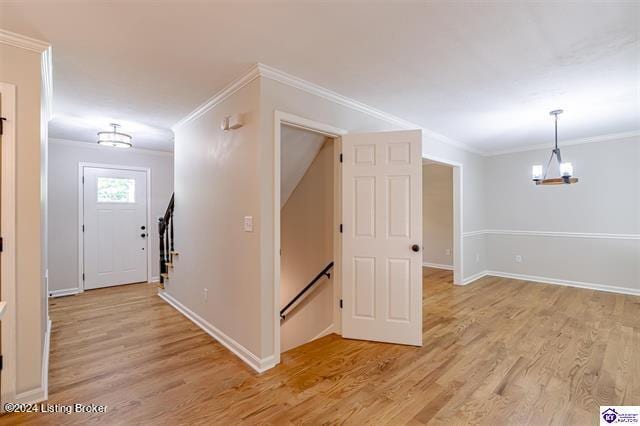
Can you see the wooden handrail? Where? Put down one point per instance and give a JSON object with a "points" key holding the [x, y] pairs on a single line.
{"points": [[325, 271]]}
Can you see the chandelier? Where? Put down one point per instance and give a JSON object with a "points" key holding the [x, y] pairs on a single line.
{"points": [[115, 138], [566, 169]]}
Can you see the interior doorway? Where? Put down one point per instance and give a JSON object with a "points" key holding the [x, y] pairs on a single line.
{"points": [[114, 212], [377, 286], [442, 216], [306, 235]]}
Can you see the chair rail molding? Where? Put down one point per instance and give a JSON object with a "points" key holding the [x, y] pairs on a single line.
{"points": [[557, 234]]}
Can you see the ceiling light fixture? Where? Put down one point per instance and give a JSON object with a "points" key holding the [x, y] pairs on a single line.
{"points": [[115, 138], [566, 169]]}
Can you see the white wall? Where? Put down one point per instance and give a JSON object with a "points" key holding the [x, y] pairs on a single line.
{"points": [[605, 201], [437, 214], [64, 157]]}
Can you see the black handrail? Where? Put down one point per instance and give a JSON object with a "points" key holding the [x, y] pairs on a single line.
{"points": [[325, 271], [165, 229]]}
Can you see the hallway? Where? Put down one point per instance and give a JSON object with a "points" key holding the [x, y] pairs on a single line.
{"points": [[499, 349]]}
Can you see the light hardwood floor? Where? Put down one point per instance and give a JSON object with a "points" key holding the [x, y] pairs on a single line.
{"points": [[498, 351]]}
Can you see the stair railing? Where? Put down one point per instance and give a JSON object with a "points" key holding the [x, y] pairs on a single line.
{"points": [[165, 229], [304, 291]]}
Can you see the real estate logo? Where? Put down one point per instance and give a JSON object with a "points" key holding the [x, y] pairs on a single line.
{"points": [[626, 414]]}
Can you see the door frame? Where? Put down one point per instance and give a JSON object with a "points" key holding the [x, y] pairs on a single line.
{"points": [[8, 227], [458, 235], [81, 166], [288, 119]]}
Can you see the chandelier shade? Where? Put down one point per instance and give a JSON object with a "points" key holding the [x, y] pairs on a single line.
{"points": [[114, 138]]}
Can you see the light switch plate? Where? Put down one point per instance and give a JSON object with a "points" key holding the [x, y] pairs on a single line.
{"points": [[248, 223]]}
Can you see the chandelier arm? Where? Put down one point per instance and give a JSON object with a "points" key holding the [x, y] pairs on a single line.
{"points": [[546, 171], [556, 121]]}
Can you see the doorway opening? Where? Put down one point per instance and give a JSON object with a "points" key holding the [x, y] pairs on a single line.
{"points": [[306, 235], [442, 219], [306, 231], [376, 271], [114, 211]]}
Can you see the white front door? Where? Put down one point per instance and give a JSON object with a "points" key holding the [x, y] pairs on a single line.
{"points": [[115, 227], [382, 237]]}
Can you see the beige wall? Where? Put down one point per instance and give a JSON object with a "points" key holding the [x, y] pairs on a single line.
{"points": [[307, 247], [437, 214], [217, 183], [22, 68]]}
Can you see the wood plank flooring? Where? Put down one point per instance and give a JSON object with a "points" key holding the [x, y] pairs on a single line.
{"points": [[496, 352]]}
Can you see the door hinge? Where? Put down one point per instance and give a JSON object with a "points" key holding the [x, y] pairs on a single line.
{"points": [[82, 228], [1, 244], [340, 303], [1, 362], [83, 276], [341, 157], [341, 228], [2, 120], [83, 180]]}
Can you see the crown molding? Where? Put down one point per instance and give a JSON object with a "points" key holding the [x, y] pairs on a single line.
{"points": [[581, 141], [23, 42], [93, 145], [47, 83], [228, 90], [293, 81], [265, 71]]}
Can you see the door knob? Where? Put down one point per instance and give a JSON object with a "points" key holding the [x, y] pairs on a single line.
{"points": [[143, 235], [415, 248]]}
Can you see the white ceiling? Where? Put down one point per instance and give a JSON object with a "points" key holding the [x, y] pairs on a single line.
{"points": [[299, 149], [485, 74]]}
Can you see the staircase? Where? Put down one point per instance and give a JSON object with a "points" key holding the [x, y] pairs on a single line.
{"points": [[167, 250]]}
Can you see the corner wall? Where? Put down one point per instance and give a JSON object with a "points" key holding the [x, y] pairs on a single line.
{"points": [[217, 183]]}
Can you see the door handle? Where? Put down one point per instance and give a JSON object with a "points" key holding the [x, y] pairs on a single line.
{"points": [[143, 235], [415, 248]]}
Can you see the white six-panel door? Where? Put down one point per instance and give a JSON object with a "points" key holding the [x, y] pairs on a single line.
{"points": [[382, 237], [115, 227]]}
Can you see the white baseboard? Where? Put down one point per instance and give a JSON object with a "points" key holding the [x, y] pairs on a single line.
{"points": [[40, 393], [154, 279], [473, 278], [64, 292], [329, 330], [437, 266], [568, 283], [258, 364], [555, 281]]}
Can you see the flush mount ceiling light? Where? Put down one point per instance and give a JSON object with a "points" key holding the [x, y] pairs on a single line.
{"points": [[114, 138], [566, 169]]}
